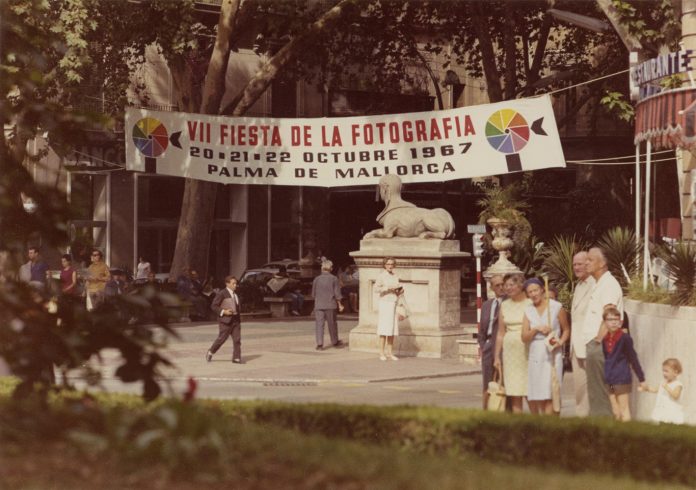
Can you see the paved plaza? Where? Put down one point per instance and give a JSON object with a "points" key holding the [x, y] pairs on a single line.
{"points": [[281, 363]]}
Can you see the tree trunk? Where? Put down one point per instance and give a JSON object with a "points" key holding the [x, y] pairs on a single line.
{"points": [[510, 48], [196, 222], [490, 71], [198, 205]]}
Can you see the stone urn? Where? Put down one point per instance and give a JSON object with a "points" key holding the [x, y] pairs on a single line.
{"points": [[502, 243]]}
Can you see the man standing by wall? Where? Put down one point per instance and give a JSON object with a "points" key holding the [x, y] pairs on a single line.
{"points": [[226, 307], [327, 298], [488, 331], [606, 291], [97, 276], [581, 299]]}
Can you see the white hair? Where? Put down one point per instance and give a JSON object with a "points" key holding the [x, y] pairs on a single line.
{"points": [[326, 265]]}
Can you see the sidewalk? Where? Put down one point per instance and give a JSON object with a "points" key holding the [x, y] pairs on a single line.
{"points": [[283, 351]]}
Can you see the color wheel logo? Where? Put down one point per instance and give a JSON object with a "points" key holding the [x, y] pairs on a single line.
{"points": [[507, 131], [150, 137]]}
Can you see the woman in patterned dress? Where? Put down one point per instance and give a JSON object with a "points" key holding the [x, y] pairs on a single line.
{"points": [[535, 328], [509, 341]]}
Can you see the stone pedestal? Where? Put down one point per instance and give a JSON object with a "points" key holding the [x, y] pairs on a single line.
{"points": [[430, 272]]}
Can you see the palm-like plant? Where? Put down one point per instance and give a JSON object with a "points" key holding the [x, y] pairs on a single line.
{"points": [[507, 203], [681, 267], [502, 202], [529, 258], [620, 248], [558, 260]]}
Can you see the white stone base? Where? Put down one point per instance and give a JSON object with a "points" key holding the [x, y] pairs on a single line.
{"points": [[430, 272]]}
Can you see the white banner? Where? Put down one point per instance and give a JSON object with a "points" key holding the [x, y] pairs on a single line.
{"points": [[475, 141]]}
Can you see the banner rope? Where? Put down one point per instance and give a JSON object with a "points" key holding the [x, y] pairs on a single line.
{"points": [[583, 162], [578, 84]]}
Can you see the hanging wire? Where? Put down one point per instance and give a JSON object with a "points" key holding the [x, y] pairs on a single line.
{"points": [[586, 82], [582, 162], [100, 160], [633, 156]]}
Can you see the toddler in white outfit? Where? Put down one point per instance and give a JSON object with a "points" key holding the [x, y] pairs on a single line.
{"points": [[667, 406]]}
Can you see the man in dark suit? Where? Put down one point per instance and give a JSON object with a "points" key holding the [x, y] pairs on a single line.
{"points": [[488, 331], [226, 307]]}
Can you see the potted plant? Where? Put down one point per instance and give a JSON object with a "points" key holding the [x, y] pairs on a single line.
{"points": [[503, 208]]}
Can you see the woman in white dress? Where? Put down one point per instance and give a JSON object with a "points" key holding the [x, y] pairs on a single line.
{"points": [[542, 361], [387, 286]]}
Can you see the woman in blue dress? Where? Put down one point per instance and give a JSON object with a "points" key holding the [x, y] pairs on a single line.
{"points": [[543, 359]]}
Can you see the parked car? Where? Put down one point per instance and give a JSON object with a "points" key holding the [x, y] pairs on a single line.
{"points": [[290, 264]]}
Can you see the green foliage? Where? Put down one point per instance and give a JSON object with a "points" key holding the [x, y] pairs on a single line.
{"points": [[44, 46], [654, 24], [507, 203], [558, 260], [681, 267], [530, 257], [640, 450], [369, 446], [653, 294], [615, 103], [620, 249]]}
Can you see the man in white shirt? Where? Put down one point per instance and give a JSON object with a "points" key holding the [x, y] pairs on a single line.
{"points": [[226, 307], [581, 299], [606, 291]]}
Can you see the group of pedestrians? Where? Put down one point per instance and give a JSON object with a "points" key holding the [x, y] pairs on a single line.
{"points": [[522, 333]]}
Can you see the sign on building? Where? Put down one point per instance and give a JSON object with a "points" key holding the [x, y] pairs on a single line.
{"points": [[475, 141]]}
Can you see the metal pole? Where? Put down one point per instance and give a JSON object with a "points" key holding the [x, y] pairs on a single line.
{"points": [[646, 241], [479, 301], [637, 192]]}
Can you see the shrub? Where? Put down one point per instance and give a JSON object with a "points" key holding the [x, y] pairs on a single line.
{"points": [[620, 249], [204, 438], [637, 449], [681, 267]]}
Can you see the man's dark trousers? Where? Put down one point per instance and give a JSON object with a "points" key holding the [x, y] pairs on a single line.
{"points": [[229, 326]]}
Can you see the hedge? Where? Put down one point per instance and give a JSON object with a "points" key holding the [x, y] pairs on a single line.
{"points": [[642, 451], [637, 450]]}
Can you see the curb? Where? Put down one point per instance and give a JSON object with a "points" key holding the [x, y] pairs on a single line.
{"points": [[304, 381]]}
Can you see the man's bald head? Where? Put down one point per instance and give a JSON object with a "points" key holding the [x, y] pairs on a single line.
{"points": [[596, 262], [580, 265]]}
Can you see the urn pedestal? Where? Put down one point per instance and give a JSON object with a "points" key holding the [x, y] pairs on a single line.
{"points": [[430, 272]]}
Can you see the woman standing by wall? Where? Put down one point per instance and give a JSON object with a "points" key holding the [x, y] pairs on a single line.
{"points": [[387, 286], [514, 351]]}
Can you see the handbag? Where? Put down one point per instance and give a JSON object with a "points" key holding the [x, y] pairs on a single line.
{"points": [[402, 310], [496, 393]]}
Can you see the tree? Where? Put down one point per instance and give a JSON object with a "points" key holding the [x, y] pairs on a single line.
{"points": [[37, 334]]}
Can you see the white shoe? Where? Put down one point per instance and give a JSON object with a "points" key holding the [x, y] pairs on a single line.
{"points": [[393, 357], [382, 357]]}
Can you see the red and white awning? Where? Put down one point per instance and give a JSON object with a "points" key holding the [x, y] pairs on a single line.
{"points": [[668, 119]]}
